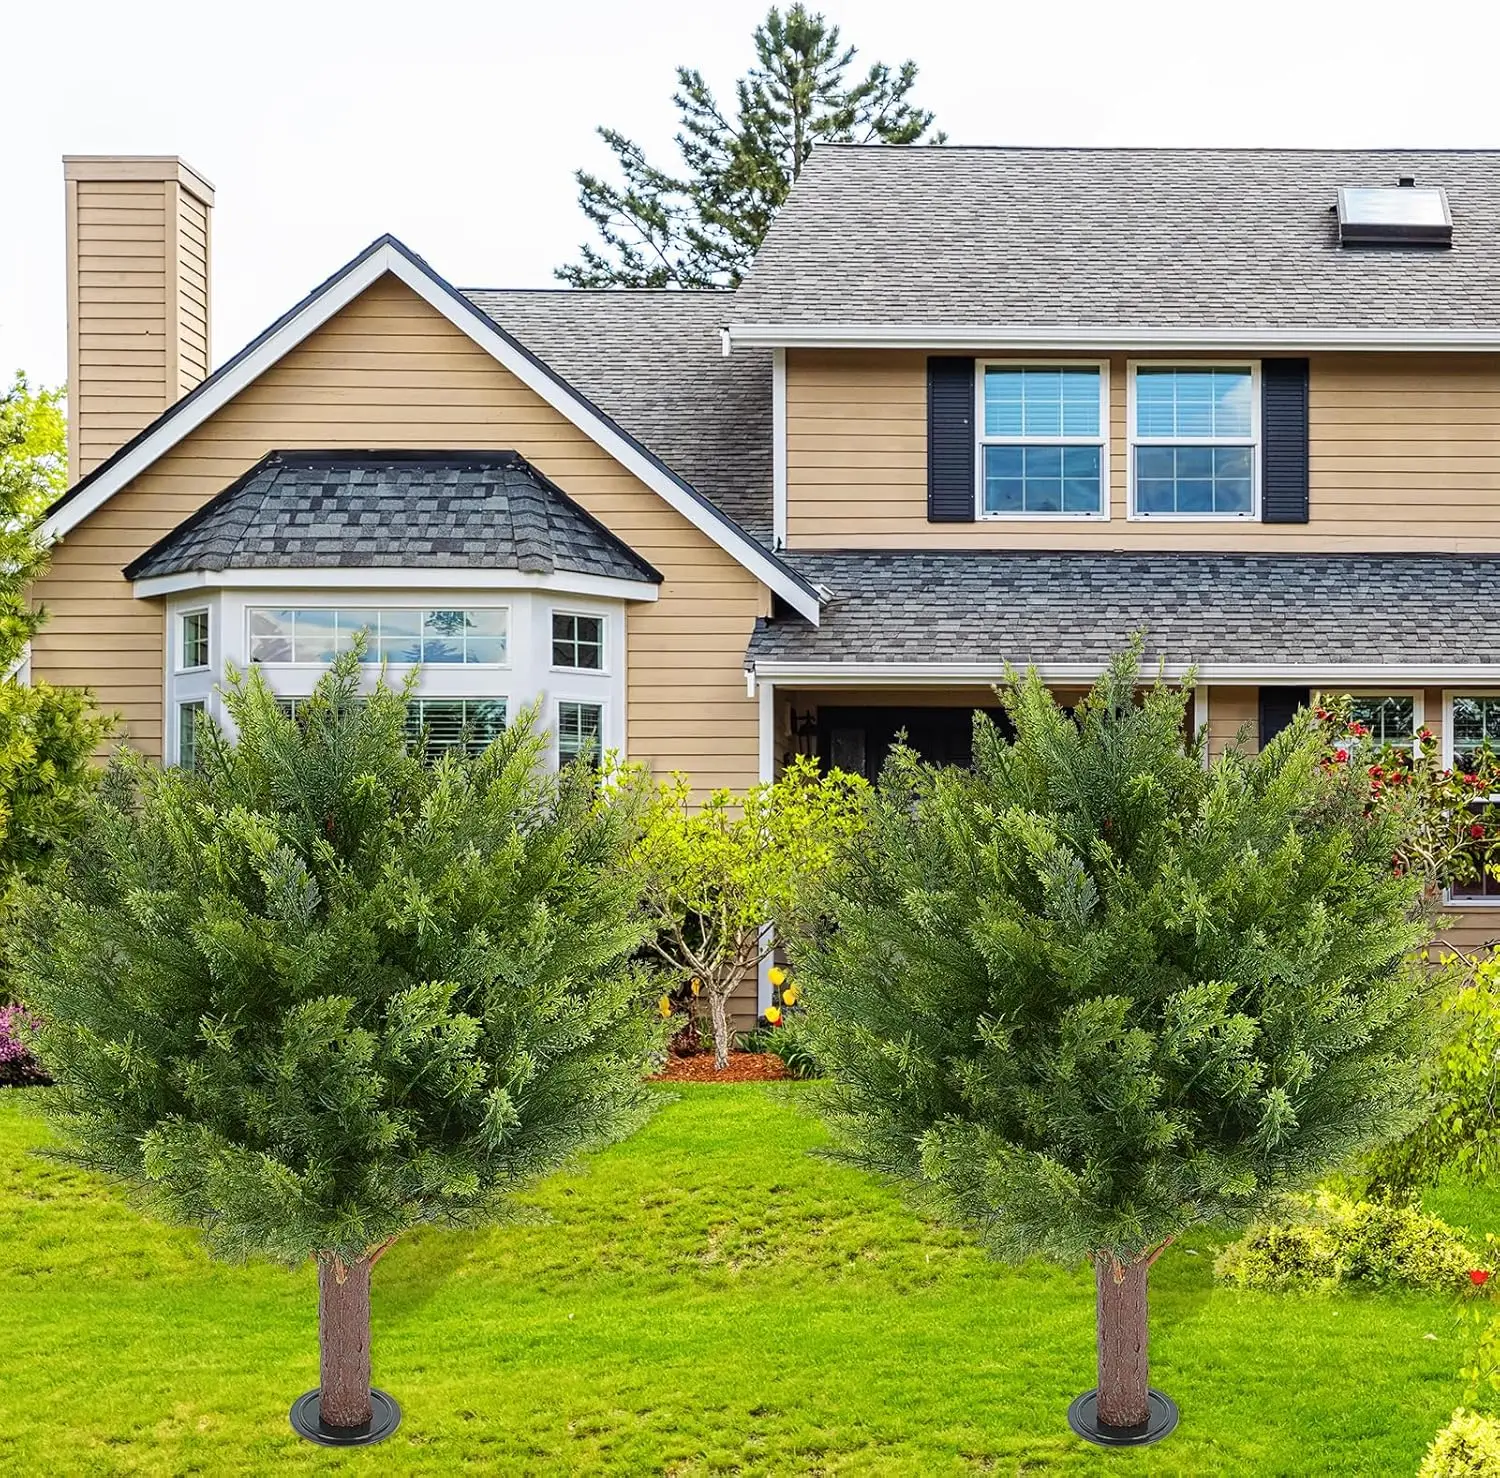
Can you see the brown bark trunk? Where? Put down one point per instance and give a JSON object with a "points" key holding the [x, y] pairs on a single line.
{"points": [[344, 1341], [1124, 1376], [718, 1011]]}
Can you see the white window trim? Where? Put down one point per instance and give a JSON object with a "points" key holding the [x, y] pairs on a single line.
{"points": [[1132, 441], [1462, 901], [180, 650], [394, 602], [981, 440], [606, 727], [605, 645], [201, 701]]}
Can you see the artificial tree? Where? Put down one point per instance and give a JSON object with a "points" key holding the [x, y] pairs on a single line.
{"points": [[317, 993], [1097, 991]]}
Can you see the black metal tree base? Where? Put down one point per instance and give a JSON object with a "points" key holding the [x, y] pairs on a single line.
{"points": [[1083, 1417], [385, 1417]]}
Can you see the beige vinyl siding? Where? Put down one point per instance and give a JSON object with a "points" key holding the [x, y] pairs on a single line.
{"points": [[1405, 455], [138, 292], [1230, 712], [389, 371]]}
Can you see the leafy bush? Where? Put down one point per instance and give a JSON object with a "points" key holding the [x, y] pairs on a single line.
{"points": [[18, 1060], [790, 1043], [1341, 1242], [1468, 1447], [1462, 1133]]}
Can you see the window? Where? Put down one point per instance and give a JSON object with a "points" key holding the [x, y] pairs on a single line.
{"points": [[1042, 448], [580, 727], [466, 725], [1474, 725], [1193, 438], [187, 734], [193, 641], [315, 634], [577, 641], [1390, 719]]}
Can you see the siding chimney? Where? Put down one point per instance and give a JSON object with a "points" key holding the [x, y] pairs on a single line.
{"points": [[138, 279]]}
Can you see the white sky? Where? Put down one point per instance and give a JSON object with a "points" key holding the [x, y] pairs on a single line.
{"points": [[457, 125]]}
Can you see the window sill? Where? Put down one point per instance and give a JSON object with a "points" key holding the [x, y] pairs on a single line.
{"points": [[1042, 518], [1193, 517]]}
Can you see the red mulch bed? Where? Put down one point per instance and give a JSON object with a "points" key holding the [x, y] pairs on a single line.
{"points": [[744, 1067]]}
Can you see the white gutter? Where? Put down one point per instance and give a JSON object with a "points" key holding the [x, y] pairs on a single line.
{"points": [[1000, 337], [928, 675]]}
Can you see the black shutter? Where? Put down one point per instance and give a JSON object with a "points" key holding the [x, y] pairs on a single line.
{"points": [[950, 440], [1277, 705], [1283, 432]]}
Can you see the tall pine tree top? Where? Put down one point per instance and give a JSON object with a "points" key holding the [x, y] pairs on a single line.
{"points": [[701, 228]]}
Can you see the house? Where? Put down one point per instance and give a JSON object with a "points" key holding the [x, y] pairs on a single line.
{"points": [[972, 407]]}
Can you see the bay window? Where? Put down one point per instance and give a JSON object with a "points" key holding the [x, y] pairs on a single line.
{"points": [[1043, 449], [1194, 432]]}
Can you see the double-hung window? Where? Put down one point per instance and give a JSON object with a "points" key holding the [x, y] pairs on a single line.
{"points": [[1474, 726], [192, 641], [1194, 431], [1043, 449]]}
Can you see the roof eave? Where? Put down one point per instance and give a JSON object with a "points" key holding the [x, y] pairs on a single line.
{"points": [[835, 673], [1000, 337]]}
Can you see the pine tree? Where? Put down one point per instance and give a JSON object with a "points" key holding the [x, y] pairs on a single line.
{"points": [[1096, 993], [701, 227], [318, 993]]}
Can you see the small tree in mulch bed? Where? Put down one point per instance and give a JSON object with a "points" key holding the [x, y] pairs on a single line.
{"points": [[1095, 993], [319, 993], [720, 872]]}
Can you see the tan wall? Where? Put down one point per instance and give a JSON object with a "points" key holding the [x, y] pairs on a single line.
{"points": [[1405, 453], [389, 371], [1231, 711], [137, 281]]}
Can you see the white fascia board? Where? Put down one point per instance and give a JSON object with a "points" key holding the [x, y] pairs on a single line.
{"points": [[927, 675], [1002, 338], [410, 577], [469, 320]]}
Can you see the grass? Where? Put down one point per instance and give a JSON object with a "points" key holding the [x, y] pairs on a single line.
{"points": [[708, 1298]]}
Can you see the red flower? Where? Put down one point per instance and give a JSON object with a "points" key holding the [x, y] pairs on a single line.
{"points": [[1479, 1277], [1376, 772], [1358, 730], [1321, 713], [1341, 755], [1476, 831]]}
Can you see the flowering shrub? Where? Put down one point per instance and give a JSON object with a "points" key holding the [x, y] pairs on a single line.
{"points": [[1450, 819], [780, 1031], [1342, 1242], [18, 1034], [1468, 1447]]}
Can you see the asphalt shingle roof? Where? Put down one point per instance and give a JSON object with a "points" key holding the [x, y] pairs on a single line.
{"points": [[997, 607], [653, 362], [327, 510], [1207, 238]]}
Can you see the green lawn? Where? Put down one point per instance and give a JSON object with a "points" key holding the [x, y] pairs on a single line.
{"points": [[706, 1298]]}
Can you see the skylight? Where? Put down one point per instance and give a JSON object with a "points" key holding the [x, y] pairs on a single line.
{"points": [[1404, 214]]}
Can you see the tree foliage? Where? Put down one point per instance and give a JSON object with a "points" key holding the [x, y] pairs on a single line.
{"points": [[47, 734], [699, 226], [318, 992], [1096, 992], [718, 873]]}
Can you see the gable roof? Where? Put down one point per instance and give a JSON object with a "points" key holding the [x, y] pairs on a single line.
{"points": [[654, 361], [944, 614], [371, 510], [387, 255], [1000, 247]]}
